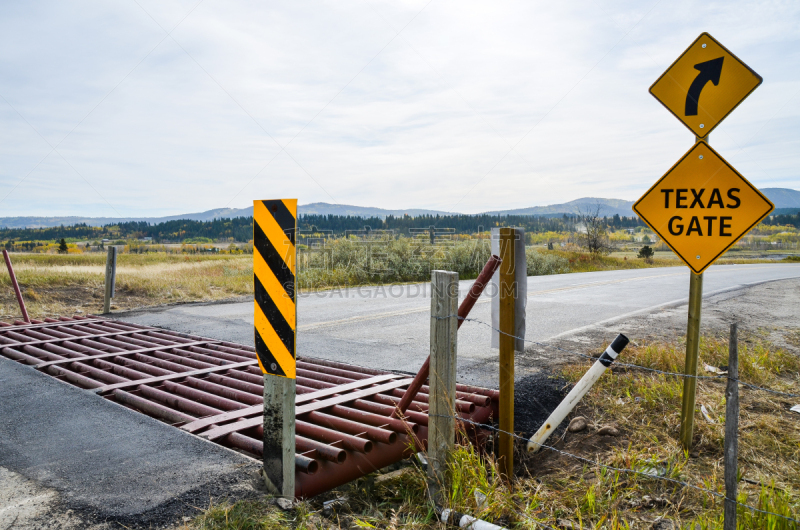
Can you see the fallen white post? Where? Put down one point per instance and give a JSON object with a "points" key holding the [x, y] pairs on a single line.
{"points": [[460, 520], [577, 393]]}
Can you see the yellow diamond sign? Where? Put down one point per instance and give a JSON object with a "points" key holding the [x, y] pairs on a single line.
{"points": [[704, 85], [702, 206]]}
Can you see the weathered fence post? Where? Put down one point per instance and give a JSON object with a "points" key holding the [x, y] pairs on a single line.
{"points": [[507, 342], [111, 278], [732, 430], [442, 423], [692, 353], [275, 334]]}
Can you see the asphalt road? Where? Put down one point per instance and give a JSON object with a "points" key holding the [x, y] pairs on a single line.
{"points": [[107, 463], [388, 327]]}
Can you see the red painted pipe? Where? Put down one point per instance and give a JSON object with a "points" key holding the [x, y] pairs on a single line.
{"points": [[461, 405], [376, 420], [350, 427], [309, 466], [463, 310], [330, 436], [16, 287], [324, 451], [151, 408]]}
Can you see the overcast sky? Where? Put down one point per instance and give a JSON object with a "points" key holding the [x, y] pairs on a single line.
{"points": [[153, 107]]}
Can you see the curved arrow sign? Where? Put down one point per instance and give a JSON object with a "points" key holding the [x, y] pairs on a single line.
{"points": [[709, 71], [704, 85]]}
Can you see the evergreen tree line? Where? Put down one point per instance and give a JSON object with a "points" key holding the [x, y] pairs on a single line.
{"points": [[783, 220], [241, 228], [463, 224]]}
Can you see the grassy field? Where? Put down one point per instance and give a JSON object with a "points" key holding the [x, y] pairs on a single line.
{"points": [[54, 284], [63, 284], [560, 491]]}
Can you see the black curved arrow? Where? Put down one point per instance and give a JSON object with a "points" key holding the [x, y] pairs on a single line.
{"points": [[709, 71]]}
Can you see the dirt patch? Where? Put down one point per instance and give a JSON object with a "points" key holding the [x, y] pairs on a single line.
{"points": [[24, 505], [535, 397]]}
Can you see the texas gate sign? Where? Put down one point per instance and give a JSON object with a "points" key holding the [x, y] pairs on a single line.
{"points": [[702, 206]]}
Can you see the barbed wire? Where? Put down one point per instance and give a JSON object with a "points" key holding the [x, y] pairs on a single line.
{"points": [[614, 468], [619, 363]]}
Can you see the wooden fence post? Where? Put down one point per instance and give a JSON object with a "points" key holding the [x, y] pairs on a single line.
{"points": [[111, 277], [507, 342], [441, 412], [731, 430]]}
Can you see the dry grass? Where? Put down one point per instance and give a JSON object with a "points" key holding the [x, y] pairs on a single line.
{"points": [[67, 284], [646, 408]]}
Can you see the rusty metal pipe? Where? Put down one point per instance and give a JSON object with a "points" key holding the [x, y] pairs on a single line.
{"points": [[343, 366], [375, 420], [224, 392], [324, 377], [177, 402], [16, 287], [375, 434], [151, 408], [480, 400], [324, 451], [387, 410], [316, 432], [76, 366], [244, 386], [120, 370], [313, 383], [72, 377], [241, 375], [463, 310], [168, 366], [19, 356], [475, 390], [202, 397], [40, 353], [461, 405], [20, 336], [332, 371], [97, 373], [307, 465], [204, 350]]}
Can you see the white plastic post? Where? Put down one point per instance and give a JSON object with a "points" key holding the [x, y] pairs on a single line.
{"points": [[577, 393], [460, 520]]}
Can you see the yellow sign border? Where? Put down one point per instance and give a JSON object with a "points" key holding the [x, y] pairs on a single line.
{"points": [[737, 238], [718, 43]]}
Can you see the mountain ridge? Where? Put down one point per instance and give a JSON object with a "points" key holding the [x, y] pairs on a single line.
{"points": [[785, 199]]}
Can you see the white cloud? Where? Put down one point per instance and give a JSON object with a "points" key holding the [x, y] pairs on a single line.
{"points": [[327, 102]]}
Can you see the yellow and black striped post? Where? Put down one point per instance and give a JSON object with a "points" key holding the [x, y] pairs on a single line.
{"points": [[275, 311]]}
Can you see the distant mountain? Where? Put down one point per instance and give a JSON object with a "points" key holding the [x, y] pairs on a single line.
{"points": [[607, 207], [786, 200], [319, 208], [783, 197], [323, 208]]}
